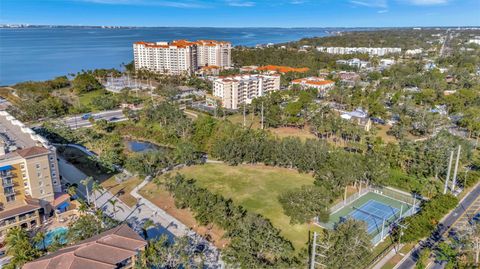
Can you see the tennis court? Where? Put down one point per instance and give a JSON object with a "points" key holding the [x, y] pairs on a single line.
{"points": [[374, 214], [373, 207]]}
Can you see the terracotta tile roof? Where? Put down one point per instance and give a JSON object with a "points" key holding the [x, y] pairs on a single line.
{"points": [[324, 82], [282, 69], [33, 151], [103, 251], [59, 198], [313, 81], [183, 43]]}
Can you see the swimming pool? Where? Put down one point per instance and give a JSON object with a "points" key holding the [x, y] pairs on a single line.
{"points": [[60, 232]]}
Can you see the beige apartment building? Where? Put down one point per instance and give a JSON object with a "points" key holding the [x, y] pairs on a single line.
{"points": [[181, 56], [29, 176], [242, 89]]}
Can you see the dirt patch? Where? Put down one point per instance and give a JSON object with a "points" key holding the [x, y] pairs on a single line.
{"points": [[122, 190], [282, 132], [165, 201]]}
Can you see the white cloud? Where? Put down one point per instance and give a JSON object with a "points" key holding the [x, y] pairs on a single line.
{"points": [[172, 3], [297, 2], [382, 11], [426, 2], [370, 3], [237, 3]]}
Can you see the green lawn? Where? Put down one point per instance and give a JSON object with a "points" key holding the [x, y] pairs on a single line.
{"points": [[86, 98], [256, 187]]}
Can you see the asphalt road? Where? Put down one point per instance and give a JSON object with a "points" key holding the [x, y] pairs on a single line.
{"points": [[109, 115], [436, 236]]}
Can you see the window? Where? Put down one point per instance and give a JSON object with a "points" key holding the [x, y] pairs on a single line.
{"points": [[37, 166], [42, 191], [10, 198]]}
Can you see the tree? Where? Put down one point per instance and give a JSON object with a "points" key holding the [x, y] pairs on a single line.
{"points": [[303, 204], [72, 190], [85, 82], [349, 244], [85, 182], [21, 247], [96, 188], [56, 243], [161, 253], [114, 202], [146, 225], [39, 239], [447, 253], [85, 227]]}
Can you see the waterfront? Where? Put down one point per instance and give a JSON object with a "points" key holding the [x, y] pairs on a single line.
{"points": [[43, 53]]}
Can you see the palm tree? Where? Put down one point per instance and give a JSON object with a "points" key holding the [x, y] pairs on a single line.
{"points": [[39, 238], [113, 202], [72, 190], [83, 206], [96, 187], [20, 247], [146, 225], [85, 182]]}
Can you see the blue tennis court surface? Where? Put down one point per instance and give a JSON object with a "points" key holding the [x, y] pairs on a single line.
{"points": [[373, 213]]}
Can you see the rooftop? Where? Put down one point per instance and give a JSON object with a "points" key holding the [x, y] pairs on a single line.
{"points": [[24, 206], [181, 43], [103, 251], [283, 69]]}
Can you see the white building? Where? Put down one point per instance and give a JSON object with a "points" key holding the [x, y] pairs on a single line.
{"points": [[413, 51], [181, 56], [314, 82], [242, 89], [475, 40], [385, 63], [354, 50], [355, 62]]}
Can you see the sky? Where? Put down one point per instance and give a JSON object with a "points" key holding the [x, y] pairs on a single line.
{"points": [[240, 13]]}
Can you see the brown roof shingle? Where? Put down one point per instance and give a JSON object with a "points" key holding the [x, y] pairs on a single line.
{"points": [[103, 251], [32, 151]]}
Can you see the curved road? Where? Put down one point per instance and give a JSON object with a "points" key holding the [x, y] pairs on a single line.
{"points": [[410, 261]]}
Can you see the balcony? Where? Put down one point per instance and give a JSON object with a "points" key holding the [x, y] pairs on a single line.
{"points": [[7, 183], [9, 191], [5, 174]]}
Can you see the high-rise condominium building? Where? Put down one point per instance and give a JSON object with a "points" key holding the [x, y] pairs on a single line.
{"points": [[28, 175], [181, 56], [242, 89]]}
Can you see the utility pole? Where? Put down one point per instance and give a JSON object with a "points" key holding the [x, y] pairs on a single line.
{"points": [[454, 180], [448, 172], [314, 246], [262, 115]]}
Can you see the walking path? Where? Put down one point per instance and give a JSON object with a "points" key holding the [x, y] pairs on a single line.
{"points": [[165, 224]]}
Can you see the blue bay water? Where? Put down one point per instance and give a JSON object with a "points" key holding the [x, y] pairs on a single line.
{"points": [[44, 53]]}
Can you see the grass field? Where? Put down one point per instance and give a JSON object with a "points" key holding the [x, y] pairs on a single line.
{"points": [[257, 188], [86, 98]]}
